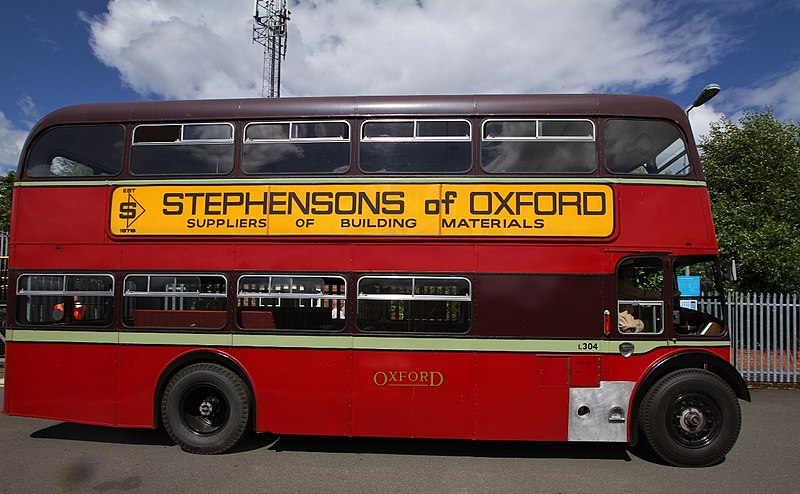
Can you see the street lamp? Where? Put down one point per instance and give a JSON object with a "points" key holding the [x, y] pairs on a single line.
{"points": [[706, 94]]}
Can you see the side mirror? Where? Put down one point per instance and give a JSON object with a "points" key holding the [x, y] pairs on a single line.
{"points": [[730, 272]]}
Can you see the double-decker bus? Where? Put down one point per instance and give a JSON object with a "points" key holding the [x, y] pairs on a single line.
{"points": [[498, 267]]}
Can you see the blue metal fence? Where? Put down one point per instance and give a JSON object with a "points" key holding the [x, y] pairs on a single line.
{"points": [[764, 336]]}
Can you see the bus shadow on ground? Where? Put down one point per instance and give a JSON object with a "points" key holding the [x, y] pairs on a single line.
{"points": [[379, 446], [95, 433], [449, 447]]}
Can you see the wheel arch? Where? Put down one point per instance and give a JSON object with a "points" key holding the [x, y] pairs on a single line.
{"points": [[196, 357], [697, 359]]}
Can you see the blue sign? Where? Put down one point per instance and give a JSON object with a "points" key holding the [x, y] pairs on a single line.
{"points": [[689, 286]]}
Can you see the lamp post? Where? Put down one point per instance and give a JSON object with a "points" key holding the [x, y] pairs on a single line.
{"points": [[706, 94]]}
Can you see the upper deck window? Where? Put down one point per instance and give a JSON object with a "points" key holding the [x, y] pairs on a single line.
{"points": [[416, 146], [182, 149], [650, 147], [296, 147], [538, 146], [77, 151]]}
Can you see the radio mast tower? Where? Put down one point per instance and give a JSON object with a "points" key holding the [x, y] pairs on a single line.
{"points": [[269, 31]]}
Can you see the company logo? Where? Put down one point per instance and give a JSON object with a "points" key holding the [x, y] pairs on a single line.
{"points": [[130, 210], [431, 379]]}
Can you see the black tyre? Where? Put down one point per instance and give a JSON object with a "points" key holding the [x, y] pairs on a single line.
{"points": [[691, 418], [206, 408]]}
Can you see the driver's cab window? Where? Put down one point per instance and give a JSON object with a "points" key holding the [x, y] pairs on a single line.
{"points": [[698, 309], [640, 295]]}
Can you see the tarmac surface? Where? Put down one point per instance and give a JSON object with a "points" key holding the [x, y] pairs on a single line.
{"points": [[50, 456]]}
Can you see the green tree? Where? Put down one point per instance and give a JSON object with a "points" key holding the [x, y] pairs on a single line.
{"points": [[6, 187], [753, 173]]}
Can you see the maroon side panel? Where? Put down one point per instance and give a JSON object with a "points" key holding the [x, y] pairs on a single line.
{"points": [[293, 256], [413, 394], [664, 218], [302, 391], [521, 397], [71, 382], [62, 215], [542, 306]]}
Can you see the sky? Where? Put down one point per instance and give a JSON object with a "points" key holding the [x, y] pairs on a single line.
{"points": [[58, 53]]}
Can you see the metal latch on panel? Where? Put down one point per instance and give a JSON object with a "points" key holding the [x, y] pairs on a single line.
{"points": [[626, 349], [616, 415]]}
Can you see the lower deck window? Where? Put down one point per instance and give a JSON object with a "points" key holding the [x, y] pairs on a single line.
{"points": [[185, 301], [414, 304], [65, 299], [291, 302]]}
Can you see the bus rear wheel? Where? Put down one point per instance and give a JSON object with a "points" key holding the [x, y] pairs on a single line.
{"points": [[691, 418], [205, 408]]}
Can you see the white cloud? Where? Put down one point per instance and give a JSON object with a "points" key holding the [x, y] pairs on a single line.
{"points": [[179, 48], [11, 141], [780, 92], [701, 119], [203, 48], [368, 47], [29, 110]]}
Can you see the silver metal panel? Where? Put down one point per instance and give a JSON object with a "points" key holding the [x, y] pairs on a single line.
{"points": [[600, 414]]}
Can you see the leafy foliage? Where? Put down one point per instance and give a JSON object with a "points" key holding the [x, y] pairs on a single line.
{"points": [[753, 173], [6, 187]]}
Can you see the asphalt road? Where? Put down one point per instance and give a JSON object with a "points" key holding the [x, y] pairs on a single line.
{"points": [[45, 456]]}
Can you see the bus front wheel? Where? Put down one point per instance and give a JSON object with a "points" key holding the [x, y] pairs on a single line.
{"points": [[691, 418], [205, 408]]}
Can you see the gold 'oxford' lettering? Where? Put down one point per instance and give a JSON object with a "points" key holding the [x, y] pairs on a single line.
{"points": [[402, 378]]}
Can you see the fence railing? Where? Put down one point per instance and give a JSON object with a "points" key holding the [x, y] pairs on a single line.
{"points": [[764, 334], [3, 291]]}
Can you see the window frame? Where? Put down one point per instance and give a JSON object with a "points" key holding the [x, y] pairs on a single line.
{"points": [[64, 294], [181, 142], [415, 138], [291, 295], [661, 302], [152, 294], [702, 301], [540, 139], [672, 159], [537, 137], [53, 153], [292, 124], [298, 141], [412, 297]]}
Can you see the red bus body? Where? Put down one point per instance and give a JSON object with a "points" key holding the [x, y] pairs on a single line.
{"points": [[539, 344]]}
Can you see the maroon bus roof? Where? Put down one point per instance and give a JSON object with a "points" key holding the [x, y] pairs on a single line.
{"points": [[368, 106]]}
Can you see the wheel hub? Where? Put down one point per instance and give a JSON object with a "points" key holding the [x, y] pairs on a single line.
{"points": [[207, 406], [692, 420]]}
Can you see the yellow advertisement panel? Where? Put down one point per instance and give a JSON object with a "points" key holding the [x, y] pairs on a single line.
{"points": [[401, 209]]}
